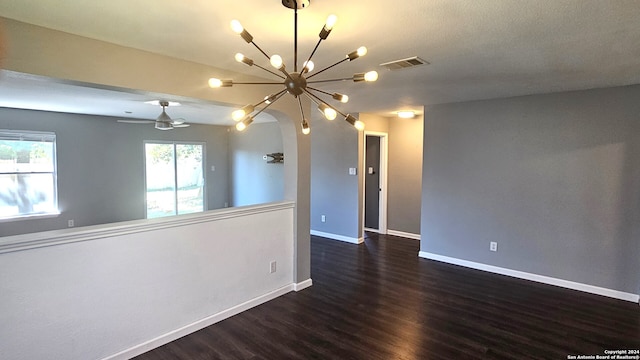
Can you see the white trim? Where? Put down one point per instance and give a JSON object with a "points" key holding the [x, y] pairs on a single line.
{"points": [[201, 324], [65, 236], [31, 217], [302, 285], [534, 277], [384, 179], [373, 230], [337, 237], [404, 234]]}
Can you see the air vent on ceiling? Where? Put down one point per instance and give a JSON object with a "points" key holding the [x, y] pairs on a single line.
{"points": [[404, 63]]}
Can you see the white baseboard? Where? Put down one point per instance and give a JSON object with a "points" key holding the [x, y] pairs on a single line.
{"points": [[302, 285], [337, 237], [208, 321], [534, 277], [404, 234]]}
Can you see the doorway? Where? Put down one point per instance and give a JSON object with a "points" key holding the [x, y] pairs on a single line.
{"points": [[375, 182]]}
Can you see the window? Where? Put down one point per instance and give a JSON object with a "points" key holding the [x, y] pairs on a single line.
{"points": [[174, 178], [28, 181]]}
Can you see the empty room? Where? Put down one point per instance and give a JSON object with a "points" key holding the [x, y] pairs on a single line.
{"points": [[306, 179]]}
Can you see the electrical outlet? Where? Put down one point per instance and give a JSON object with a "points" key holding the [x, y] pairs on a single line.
{"points": [[493, 246], [71, 223], [272, 267], [323, 218]]}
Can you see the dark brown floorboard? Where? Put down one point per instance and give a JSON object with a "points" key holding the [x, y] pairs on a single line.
{"points": [[379, 300]]}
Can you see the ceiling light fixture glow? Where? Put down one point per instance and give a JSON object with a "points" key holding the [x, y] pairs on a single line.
{"points": [[406, 114], [296, 83]]}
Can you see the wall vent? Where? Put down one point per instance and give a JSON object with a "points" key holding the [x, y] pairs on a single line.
{"points": [[404, 63]]}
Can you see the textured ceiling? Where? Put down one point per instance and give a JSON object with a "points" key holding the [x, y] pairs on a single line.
{"points": [[477, 49]]}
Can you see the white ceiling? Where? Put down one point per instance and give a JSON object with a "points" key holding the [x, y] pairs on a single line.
{"points": [[26, 91], [478, 49]]}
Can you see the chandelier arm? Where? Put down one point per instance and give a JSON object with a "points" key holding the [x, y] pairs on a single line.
{"points": [[310, 98], [314, 51], [257, 83], [320, 100], [264, 108], [275, 96], [262, 51], [301, 110], [267, 70], [318, 90], [328, 80], [327, 68]]}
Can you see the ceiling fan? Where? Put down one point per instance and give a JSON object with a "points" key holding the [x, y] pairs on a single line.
{"points": [[162, 122]]}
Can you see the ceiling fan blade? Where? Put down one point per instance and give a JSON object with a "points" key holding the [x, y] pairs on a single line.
{"points": [[181, 125], [136, 121], [178, 121]]}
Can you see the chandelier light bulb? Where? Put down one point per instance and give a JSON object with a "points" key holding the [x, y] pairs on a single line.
{"points": [[236, 27], [361, 51], [328, 112], [243, 59], [238, 115], [244, 123], [326, 29], [359, 125], [331, 22], [269, 99], [276, 61], [305, 127], [215, 83], [371, 76], [308, 66], [340, 97]]}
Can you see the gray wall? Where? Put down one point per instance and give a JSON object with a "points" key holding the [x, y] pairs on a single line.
{"points": [[334, 193], [101, 166], [405, 174], [335, 147], [554, 179], [252, 180], [404, 178]]}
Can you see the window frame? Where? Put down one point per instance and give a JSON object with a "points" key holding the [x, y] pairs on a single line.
{"points": [[175, 165], [29, 135]]}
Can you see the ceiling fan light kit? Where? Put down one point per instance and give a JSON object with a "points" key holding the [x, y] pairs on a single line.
{"points": [[296, 83]]}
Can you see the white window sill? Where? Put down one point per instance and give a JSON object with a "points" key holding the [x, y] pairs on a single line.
{"points": [[30, 217]]}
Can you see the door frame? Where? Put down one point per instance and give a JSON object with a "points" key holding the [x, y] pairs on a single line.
{"points": [[384, 158]]}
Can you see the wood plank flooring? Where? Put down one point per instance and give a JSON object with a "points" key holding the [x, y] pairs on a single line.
{"points": [[379, 300]]}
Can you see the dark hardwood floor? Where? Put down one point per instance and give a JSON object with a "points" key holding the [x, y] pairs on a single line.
{"points": [[379, 300]]}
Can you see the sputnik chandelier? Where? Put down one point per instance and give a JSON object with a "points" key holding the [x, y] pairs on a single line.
{"points": [[297, 83]]}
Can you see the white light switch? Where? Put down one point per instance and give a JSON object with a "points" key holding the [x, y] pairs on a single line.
{"points": [[370, 170], [352, 171], [213, 168]]}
